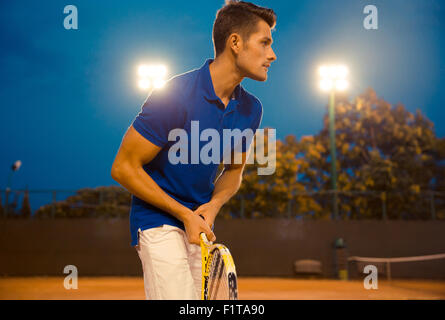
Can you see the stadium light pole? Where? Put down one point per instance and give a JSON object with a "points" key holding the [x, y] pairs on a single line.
{"points": [[151, 76], [333, 78], [16, 166]]}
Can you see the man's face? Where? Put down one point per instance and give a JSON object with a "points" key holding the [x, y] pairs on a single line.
{"points": [[256, 55]]}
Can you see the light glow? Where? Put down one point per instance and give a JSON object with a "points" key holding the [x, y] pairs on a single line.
{"points": [[326, 84], [158, 83], [144, 84], [151, 76], [341, 84], [333, 77]]}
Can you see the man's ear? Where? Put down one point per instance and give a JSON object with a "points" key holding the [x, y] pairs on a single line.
{"points": [[235, 42]]}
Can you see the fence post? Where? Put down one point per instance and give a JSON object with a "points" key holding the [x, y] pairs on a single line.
{"points": [[289, 206], [388, 270], [7, 202], [53, 208], [383, 197], [433, 207], [242, 207], [335, 213], [101, 199]]}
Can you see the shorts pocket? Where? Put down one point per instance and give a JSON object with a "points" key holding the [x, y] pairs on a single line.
{"points": [[154, 235]]}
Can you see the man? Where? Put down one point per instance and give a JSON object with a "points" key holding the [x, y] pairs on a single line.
{"points": [[172, 203]]}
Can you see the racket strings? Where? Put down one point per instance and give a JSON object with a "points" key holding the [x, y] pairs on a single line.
{"points": [[218, 278]]}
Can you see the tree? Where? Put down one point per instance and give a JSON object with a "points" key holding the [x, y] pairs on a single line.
{"points": [[275, 195], [110, 201], [387, 149], [387, 157]]}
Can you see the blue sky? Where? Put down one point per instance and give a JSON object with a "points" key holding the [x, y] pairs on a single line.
{"points": [[68, 96]]}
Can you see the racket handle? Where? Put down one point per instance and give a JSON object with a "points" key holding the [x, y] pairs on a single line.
{"points": [[204, 239]]}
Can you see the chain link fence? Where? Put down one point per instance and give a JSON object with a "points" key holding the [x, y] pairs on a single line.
{"points": [[115, 202]]}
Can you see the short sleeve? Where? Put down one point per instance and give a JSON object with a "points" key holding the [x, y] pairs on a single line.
{"points": [[161, 113]]}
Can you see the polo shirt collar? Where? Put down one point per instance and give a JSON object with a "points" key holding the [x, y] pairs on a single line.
{"points": [[207, 84]]}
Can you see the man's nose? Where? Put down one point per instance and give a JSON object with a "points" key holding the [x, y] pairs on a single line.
{"points": [[272, 57]]}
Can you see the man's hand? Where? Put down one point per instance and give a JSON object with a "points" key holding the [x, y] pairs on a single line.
{"points": [[209, 212], [194, 225]]}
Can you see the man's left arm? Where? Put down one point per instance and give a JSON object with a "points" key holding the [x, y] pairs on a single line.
{"points": [[226, 186], [229, 182]]}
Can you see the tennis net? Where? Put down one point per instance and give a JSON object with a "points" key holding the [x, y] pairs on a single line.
{"points": [[425, 266]]}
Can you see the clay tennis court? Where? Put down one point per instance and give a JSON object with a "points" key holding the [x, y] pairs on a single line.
{"points": [[132, 288]]}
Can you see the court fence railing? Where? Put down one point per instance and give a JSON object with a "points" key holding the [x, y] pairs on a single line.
{"points": [[353, 205]]}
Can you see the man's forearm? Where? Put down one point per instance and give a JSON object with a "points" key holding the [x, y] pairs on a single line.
{"points": [[140, 184], [226, 186]]}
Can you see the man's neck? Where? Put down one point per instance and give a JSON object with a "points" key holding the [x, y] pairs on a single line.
{"points": [[225, 77]]}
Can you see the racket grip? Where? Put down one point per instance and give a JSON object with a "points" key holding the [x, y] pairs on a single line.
{"points": [[204, 239]]}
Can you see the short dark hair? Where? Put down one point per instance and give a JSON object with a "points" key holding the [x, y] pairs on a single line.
{"points": [[241, 17]]}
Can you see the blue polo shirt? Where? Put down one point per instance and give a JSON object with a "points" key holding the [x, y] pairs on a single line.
{"points": [[188, 101]]}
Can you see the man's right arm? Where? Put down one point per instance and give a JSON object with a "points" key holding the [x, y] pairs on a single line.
{"points": [[127, 169]]}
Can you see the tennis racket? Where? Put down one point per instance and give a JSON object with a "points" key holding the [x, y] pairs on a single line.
{"points": [[218, 272]]}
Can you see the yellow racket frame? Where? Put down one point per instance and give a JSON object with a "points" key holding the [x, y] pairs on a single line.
{"points": [[207, 247]]}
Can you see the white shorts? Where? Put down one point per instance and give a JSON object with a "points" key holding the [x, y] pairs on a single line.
{"points": [[171, 265]]}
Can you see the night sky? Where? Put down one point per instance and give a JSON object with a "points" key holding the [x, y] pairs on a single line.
{"points": [[68, 96]]}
